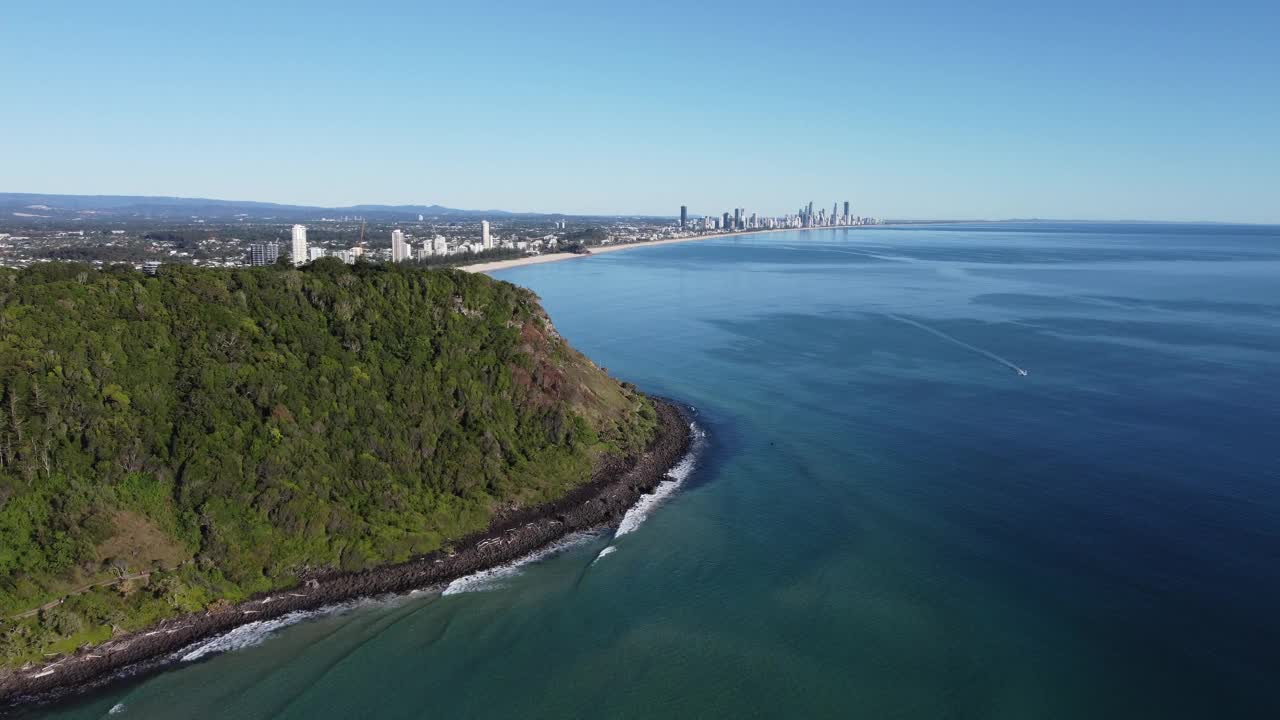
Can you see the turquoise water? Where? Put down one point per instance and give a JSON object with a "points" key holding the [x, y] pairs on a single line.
{"points": [[886, 521]]}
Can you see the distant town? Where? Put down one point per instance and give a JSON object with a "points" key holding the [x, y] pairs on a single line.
{"points": [[146, 238]]}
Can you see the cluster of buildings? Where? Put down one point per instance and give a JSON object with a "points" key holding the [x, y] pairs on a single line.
{"points": [[268, 253], [805, 217], [403, 247]]}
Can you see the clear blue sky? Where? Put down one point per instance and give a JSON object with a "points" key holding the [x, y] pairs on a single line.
{"points": [[909, 110]]}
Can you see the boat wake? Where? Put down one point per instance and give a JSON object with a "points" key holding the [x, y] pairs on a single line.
{"points": [[973, 348]]}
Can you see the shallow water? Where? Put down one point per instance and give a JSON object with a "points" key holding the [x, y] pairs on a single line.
{"points": [[886, 521]]}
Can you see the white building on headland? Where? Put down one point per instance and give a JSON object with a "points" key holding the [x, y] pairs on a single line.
{"points": [[298, 252], [399, 248], [486, 241]]}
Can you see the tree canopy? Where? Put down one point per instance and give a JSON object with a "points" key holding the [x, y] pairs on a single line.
{"points": [[226, 430]]}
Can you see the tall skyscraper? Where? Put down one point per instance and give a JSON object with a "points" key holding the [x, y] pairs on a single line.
{"points": [[486, 242], [298, 252], [684, 216], [724, 225], [737, 218], [262, 254], [399, 248], [846, 208]]}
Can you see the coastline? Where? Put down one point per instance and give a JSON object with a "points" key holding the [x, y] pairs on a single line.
{"points": [[613, 489], [556, 257]]}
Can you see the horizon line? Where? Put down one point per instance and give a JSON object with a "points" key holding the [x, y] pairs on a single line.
{"points": [[675, 216]]}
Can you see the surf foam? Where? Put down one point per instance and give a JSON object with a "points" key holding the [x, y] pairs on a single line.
{"points": [[640, 512], [255, 633], [496, 577]]}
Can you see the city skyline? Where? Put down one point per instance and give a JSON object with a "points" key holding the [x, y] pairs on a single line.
{"points": [[1092, 112]]}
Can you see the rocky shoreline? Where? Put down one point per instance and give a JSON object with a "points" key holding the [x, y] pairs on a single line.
{"points": [[512, 535]]}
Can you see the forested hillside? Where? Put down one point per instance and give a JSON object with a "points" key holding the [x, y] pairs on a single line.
{"points": [[227, 430]]}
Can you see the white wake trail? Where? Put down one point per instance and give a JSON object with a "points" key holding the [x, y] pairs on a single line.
{"points": [[973, 348]]}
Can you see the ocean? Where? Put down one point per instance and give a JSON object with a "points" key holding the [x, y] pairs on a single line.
{"points": [[882, 518]]}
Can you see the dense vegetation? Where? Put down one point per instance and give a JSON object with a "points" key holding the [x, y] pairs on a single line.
{"points": [[195, 437]]}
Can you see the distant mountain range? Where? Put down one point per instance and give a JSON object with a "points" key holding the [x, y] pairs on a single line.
{"points": [[37, 206]]}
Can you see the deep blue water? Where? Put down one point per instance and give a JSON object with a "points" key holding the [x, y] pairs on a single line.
{"points": [[884, 522]]}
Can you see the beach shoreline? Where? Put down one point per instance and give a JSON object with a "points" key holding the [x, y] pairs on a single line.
{"points": [[497, 265], [614, 488]]}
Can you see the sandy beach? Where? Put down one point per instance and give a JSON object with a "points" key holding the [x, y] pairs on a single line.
{"points": [[599, 249]]}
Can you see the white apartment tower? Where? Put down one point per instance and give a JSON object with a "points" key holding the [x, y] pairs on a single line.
{"points": [[486, 241], [399, 248], [298, 252]]}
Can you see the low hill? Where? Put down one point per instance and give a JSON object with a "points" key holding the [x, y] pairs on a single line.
{"points": [[178, 442], [35, 207]]}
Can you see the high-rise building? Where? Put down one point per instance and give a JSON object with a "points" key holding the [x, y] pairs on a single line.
{"points": [[724, 223], [261, 254], [846, 208], [399, 248], [684, 216], [486, 241], [298, 252], [439, 246], [315, 253], [737, 218]]}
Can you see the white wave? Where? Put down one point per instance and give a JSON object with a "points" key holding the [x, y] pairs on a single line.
{"points": [[255, 633], [639, 512], [248, 635], [116, 709], [607, 551], [496, 577]]}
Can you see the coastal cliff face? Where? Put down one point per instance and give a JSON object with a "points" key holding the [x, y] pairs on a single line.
{"points": [[177, 443]]}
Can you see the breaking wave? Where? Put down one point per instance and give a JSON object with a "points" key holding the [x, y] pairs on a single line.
{"points": [[675, 478], [255, 633], [496, 577]]}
